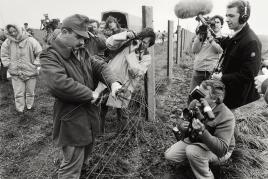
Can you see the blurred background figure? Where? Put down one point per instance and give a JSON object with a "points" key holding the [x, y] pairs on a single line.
{"points": [[20, 54], [95, 44], [102, 26], [112, 27], [3, 70]]}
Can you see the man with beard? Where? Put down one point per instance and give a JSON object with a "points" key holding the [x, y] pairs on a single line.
{"points": [[241, 58], [71, 77]]}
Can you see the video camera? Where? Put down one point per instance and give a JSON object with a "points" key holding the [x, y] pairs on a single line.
{"points": [[49, 25], [207, 24]]}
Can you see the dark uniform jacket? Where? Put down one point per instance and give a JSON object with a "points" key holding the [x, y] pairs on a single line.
{"points": [[241, 63], [71, 82]]}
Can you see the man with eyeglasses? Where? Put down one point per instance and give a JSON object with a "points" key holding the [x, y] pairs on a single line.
{"points": [[207, 52], [71, 76]]}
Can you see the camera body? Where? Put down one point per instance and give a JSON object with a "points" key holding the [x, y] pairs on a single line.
{"points": [[202, 30], [49, 25], [196, 110]]}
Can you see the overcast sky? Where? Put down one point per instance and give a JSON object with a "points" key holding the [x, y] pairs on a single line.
{"points": [[31, 11]]}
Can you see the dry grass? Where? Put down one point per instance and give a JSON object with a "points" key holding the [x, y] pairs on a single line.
{"points": [[28, 152]]}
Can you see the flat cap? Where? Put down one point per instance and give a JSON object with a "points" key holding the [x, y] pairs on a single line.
{"points": [[78, 23]]}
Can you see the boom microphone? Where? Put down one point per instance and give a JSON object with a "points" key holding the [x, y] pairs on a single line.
{"points": [[191, 8]]}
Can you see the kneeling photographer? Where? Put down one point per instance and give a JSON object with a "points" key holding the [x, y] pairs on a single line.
{"points": [[206, 48], [208, 130]]}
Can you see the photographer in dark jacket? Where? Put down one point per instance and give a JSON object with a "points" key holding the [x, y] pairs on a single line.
{"points": [[215, 140], [242, 57]]}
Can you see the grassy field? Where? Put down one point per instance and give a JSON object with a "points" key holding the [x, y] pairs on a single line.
{"points": [[27, 152]]}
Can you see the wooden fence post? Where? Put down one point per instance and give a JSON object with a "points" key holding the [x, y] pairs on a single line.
{"points": [[170, 49], [178, 44], [149, 80], [184, 39], [181, 43]]}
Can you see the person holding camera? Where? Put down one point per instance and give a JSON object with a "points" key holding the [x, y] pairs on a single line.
{"points": [[241, 58], [95, 44], [130, 62], [207, 50], [71, 76], [214, 137]]}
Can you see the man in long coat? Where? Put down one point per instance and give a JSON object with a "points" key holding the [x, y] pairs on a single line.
{"points": [[71, 76]]}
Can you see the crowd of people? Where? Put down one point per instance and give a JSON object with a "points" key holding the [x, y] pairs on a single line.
{"points": [[90, 60]]}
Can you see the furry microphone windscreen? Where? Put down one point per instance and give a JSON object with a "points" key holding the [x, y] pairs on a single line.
{"points": [[191, 8]]}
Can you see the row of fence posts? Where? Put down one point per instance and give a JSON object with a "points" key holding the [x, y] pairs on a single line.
{"points": [[183, 41]]}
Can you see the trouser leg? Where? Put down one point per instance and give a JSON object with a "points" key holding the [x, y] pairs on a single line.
{"points": [[73, 158], [199, 159], [3, 72], [29, 92], [103, 113], [88, 151], [176, 152], [123, 119], [19, 93]]}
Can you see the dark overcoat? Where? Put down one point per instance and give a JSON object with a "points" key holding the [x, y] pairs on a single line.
{"points": [[71, 82], [241, 63]]}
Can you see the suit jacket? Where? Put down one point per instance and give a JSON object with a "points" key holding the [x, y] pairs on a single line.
{"points": [[241, 63]]}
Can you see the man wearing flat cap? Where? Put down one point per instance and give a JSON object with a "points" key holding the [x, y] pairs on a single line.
{"points": [[71, 77]]}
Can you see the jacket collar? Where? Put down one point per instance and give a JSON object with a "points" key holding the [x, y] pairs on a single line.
{"points": [[61, 48], [240, 34]]}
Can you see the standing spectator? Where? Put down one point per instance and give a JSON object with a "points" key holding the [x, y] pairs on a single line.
{"points": [[242, 57], [3, 70], [207, 52], [112, 27], [159, 37], [130, 62], [26, 26], [71, 76], [95, 44], [27, 29], [163, 36], [102, 26], [19, 53]]}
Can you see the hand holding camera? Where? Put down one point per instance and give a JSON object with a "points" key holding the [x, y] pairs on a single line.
{"points": [[198, 126], [183, 126], [217, 76]]}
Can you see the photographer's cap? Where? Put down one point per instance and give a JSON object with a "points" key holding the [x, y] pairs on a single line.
{"points": [[78, 23]]}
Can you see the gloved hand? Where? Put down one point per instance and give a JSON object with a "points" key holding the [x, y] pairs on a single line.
{"points": [[115, 87]]}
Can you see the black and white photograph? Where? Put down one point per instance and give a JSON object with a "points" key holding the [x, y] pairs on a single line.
{"points": [[133, 89]]}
